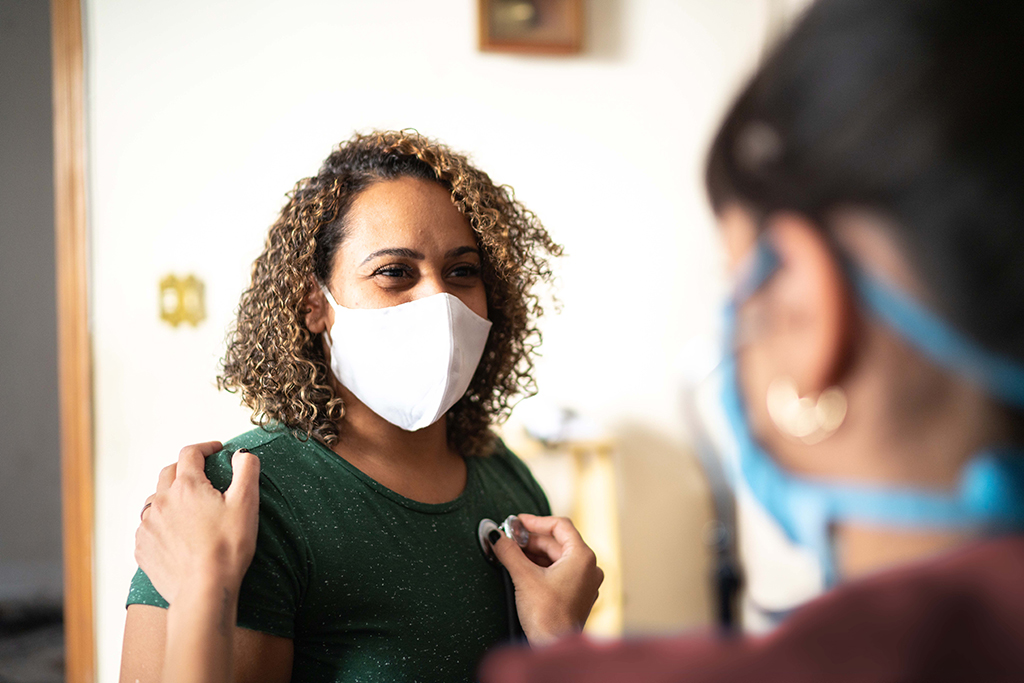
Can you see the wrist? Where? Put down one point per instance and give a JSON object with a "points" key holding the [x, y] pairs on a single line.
{"points": [[207, 584], [205, 600], [217, 570], [551, 630]]}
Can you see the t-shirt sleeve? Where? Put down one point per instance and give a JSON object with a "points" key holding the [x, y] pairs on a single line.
{"points": [[272, 589], [142, 592]]}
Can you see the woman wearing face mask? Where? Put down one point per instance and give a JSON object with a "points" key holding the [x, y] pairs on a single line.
{"points": [[869, 184], [389, 322]]}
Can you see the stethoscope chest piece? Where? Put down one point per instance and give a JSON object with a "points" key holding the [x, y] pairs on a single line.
{"points": [[511, 527]]}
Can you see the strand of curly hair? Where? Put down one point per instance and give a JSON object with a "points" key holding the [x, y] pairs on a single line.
{"points": [[279, 367]]}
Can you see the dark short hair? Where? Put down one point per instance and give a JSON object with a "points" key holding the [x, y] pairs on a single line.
{"points": [[913, 109]]}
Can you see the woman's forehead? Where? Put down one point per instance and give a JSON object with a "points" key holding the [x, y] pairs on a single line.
{"points": [[405, 213]]}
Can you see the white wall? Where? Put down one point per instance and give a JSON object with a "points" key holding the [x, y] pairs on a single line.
{"points": [[202, 113]]}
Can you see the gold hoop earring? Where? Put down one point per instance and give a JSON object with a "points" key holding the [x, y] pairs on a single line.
{"points": [[804, 418]]}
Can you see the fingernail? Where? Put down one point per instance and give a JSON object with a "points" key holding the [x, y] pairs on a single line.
{"points": [[494, 536]]}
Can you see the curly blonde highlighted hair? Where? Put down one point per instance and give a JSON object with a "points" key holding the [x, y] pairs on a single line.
{"points": [[278, 365]]}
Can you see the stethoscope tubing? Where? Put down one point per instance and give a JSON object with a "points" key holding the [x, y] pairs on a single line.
{"points": [[515, 629], [511, 528]]}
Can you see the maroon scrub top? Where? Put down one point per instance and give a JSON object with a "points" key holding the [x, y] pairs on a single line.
{"points": [[956, 618]]}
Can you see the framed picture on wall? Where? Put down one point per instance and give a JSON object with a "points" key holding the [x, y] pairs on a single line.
{"points": [[531, 26]]}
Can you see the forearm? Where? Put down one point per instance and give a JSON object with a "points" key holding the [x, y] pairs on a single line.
{"points": [[200, 633]]}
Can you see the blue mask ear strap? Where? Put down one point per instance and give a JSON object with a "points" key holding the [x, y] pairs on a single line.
{"points": [[759, 267], [1001, 376], [753, 274]]}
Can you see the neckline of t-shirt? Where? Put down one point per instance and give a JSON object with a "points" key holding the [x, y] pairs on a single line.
{"points": [[415, 505]]}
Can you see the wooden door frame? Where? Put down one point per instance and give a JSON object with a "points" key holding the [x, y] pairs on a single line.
{"points": [[74, 349]]}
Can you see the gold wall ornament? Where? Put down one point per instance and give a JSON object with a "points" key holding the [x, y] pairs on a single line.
{"points": [[804, 418], [182, 300]]}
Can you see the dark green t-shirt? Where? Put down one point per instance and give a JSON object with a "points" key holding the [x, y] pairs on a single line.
{"points": [[370, 585]]}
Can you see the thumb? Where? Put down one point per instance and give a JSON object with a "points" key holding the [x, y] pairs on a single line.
{"points": [[245, 480], [509, 553]]}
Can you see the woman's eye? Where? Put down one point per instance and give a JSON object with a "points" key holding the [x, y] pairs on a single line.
{"points": [[392, 271], [465, 270]]}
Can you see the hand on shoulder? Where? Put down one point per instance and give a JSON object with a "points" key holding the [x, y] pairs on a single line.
{"points": [[190, 531]]}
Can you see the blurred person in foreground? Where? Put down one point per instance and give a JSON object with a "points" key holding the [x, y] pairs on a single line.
{"points": [[869, 184]]}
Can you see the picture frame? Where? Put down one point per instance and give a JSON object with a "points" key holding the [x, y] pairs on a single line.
{"points": [[531, 26]]}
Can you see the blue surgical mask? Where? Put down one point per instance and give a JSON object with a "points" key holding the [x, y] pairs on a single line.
{"points": [[990, 494]]}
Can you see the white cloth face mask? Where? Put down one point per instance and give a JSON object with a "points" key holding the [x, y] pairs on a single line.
{"points": [[408, 363]]}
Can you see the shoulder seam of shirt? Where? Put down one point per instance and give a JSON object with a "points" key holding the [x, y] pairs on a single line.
{"points": [[266, 436]]}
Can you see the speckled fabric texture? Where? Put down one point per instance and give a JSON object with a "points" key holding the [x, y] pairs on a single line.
{"points": [[370, 585]]}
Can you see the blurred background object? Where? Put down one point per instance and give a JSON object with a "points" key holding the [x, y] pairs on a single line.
{"points": [[577, 466], [531, 26], [31, 642], [31, 580], [182, 300]]}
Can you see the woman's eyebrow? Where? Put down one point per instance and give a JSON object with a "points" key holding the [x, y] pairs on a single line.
{"points": [[409, 253], [396, 251], [459, 251]]}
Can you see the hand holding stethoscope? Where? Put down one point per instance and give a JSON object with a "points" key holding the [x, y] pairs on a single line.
{"points": [[555, 575]]}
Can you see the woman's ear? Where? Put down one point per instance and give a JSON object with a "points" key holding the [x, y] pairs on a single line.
{"points": [[318, 312], [811, 304]]}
